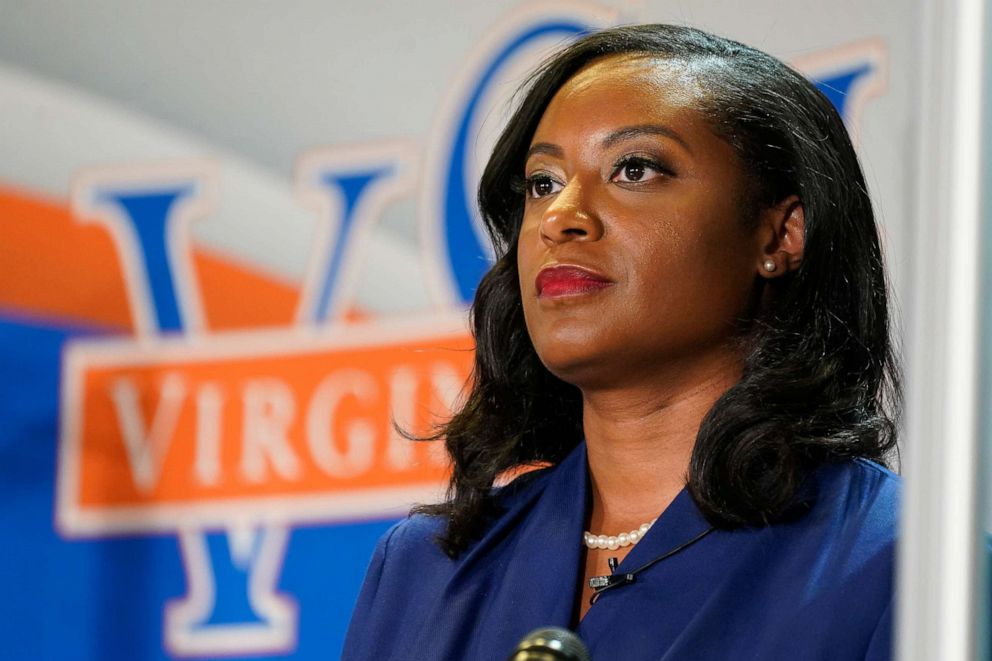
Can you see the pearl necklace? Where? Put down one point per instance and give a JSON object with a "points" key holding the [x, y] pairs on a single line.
{"points": [[614, 542]]}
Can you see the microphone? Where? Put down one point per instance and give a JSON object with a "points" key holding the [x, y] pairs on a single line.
{"points": [[550, 644]]}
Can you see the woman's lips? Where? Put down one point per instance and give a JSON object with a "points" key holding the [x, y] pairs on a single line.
{"points": [[565, 280]]}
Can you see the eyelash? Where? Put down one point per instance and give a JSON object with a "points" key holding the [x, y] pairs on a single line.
{"points": [[525, 185], [647, 163]]}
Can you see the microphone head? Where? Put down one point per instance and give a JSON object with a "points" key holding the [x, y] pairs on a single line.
{"points": [[550, 644]]}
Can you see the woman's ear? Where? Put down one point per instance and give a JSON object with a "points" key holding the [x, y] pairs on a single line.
{"points": [[782, 230]]}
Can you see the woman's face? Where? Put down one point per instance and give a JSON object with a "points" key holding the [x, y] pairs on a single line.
{"points": [[635, 252]]}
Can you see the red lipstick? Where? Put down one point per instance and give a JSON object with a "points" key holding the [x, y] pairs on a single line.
{"points": [[566, 280]]}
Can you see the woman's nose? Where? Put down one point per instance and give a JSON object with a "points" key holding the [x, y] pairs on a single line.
{"points": [[570, 217]]}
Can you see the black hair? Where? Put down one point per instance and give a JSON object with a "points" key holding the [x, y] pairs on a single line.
{"points": [[820, 379]]}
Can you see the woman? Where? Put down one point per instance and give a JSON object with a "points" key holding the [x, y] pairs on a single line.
{"points": [[687, 322]]}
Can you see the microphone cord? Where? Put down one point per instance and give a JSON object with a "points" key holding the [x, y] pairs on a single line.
{"points": [[603, 583]]}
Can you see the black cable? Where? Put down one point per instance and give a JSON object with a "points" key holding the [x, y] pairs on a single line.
{"points": [[603, 583]]}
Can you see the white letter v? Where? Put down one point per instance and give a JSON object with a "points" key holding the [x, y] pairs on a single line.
{"points": [[146, 448]]}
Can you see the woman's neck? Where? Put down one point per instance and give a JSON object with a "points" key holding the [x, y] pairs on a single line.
{"points": [[640, 438]]}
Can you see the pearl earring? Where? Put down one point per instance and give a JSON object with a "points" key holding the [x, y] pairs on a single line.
{"points": [[770, 265]]}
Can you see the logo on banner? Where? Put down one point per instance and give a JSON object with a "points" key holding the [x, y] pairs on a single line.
{"points": [[227, 440]]}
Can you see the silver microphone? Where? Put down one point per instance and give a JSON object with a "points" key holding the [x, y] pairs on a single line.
{"points": [[550, 644]]}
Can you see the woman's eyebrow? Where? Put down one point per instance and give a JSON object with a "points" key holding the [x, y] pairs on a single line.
{"points": [[644, 129], [545, 148]]}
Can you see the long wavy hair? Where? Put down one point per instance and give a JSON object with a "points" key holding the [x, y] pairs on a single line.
{"points": [[820, 380]]}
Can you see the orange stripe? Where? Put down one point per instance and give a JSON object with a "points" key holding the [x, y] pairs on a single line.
{"points": [[237, 297], [52, 265]]}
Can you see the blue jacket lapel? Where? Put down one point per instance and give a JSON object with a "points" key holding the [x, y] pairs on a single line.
{"points": [[680, 523], [523, 574]]}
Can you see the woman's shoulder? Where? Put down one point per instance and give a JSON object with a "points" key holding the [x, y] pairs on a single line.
{"points": [[861, 484], [411, 538], [858, 500], [876, 471], [418, 533]]}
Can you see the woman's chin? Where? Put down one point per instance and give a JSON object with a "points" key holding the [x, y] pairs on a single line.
{"points": [[585, 370]]}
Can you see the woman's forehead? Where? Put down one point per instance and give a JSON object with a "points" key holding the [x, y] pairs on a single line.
{"points": [[624, 90], [652, 75]]}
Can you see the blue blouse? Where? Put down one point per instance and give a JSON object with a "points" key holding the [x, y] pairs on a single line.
{"points": [[820, 587]]}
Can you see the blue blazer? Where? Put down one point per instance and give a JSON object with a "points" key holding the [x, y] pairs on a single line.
{"points": [[820, 587]]}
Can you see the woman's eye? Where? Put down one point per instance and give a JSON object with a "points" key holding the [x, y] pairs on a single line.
{"points": [[636, 170], [542, 185]]}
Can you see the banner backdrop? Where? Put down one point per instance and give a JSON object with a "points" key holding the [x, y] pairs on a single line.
{"points": [[237, 243]]}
